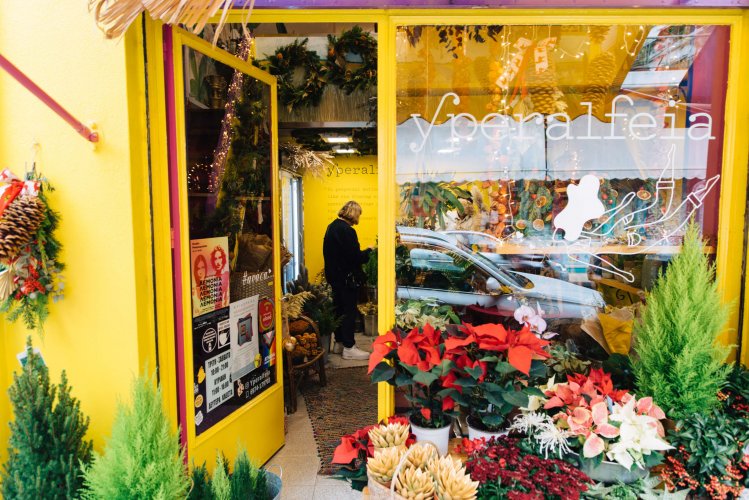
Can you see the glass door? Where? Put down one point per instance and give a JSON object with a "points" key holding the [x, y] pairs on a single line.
{"points": [[226, 248]]}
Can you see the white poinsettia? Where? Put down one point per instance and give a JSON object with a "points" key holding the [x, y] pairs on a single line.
{"points": [[638, 435], [537, 402]]}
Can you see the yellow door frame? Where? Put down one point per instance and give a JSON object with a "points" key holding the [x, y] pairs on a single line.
{"points": [[736, 123], [265, 412]]}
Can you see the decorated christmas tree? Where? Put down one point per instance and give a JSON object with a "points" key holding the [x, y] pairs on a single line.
{"points": [[680, 361], [47, 445]]}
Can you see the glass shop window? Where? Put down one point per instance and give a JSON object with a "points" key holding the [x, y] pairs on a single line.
{"points": [[561, 162]]}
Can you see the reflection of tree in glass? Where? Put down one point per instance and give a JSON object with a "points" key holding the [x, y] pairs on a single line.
{"points": [[429, 202]]}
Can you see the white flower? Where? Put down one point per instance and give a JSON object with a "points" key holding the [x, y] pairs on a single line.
{"points": [[536, 402], [541, 428], [638, 436], [523, 313]]}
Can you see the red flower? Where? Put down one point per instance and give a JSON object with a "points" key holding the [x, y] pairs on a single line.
{"points": [[382, 346], [426, 413]]}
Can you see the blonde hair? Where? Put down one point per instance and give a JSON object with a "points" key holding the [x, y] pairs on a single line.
{"points": [[350, 212]]}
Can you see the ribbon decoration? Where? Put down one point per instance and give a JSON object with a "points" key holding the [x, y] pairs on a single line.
{"points": [[541, 54], [12, 187], [504, 80]]}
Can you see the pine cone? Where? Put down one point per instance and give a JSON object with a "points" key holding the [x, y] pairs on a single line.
{"points": [[601, 73], [598, 34], [19, 223], [544, 91]]}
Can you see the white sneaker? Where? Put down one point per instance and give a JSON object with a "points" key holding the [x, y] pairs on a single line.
{"points": [[337, 348], [354, 353]]}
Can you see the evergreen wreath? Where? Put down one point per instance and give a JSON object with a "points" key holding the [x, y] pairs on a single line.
{"points": [[283, 63], [354, 41]]}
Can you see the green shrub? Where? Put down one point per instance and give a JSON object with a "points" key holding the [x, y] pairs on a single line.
{"points": [[201, 484], [46, 446], [143, 459], [679, 359], [220, 484], [247, 481]]}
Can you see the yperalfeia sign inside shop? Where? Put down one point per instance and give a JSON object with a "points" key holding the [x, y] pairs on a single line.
{"points": [[233, 333]]}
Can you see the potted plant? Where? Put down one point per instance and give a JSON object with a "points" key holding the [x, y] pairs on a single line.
{"points": [[415, 313], [493, 367], [416, 361], [370, 274], [369, 312], [606, 423]]}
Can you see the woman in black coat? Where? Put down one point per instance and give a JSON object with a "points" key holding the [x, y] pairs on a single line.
{"points": [[343, 271]]}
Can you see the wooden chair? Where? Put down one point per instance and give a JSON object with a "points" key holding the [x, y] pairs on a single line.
{"points": [[295, 369]]}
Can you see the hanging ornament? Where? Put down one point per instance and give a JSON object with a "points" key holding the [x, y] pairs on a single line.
{"points": [[601, 73], [542, 81], [29, 272], [598, 34]]}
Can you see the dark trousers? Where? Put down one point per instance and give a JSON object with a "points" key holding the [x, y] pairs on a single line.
{"points": [[344, 299]]}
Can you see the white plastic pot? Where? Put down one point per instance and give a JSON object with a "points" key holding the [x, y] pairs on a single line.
{"points": [[474, 433], [440, 437]]}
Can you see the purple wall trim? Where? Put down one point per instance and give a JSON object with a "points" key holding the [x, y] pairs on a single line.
{"points": [[372, 4], [174, 212]]}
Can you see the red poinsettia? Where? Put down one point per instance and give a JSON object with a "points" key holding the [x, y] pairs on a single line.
{"points": [[492, 368]]}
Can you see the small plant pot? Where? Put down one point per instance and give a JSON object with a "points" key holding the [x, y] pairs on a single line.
{"points": [[611, 472], [476, 432], [274, 483], [440, 437], [371, 293], [370, 325]]}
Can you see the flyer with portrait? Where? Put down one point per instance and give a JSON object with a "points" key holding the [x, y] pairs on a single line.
{"points": [[245, 346], [209, 270]]}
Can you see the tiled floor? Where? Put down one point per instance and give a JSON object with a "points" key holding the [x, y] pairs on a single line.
{"points": [[298, 458]]}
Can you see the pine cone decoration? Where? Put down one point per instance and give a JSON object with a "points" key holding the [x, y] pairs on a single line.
{"points": [[18, 225], [546, 96], [601, 73], [598, 34]]}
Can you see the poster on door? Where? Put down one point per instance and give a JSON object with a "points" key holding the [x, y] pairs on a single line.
{"points": [[209, 269], [234, 358]]}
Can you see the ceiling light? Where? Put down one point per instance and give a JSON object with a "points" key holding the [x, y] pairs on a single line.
{"points": [[336, 139], [345, 151]]}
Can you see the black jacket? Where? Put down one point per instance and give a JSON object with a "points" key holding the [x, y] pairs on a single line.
{"points": [[342, 254]]}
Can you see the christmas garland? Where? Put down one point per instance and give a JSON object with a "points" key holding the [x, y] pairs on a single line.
{"points": [[354, 41], [283, 63], [534, 213], [29, 269]]}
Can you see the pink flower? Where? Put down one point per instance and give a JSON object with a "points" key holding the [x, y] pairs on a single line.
{"points": [[593, 446], [580, 421], [600, 412]]}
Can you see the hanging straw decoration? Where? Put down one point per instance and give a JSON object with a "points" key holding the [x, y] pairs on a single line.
{"points": [[115, 16]]}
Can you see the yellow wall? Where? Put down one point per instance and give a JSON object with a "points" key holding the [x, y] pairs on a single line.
{"points": [[353, 178], [101, 194]]}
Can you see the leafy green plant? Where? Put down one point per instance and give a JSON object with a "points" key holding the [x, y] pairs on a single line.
{"points": [[220, 484], [417, 313], [645, 489], [565, 360], [198, 88], [46, 446], [679, 358], [143, 458], [370, 268], [620, 368], [429, 202], [709, 455]]}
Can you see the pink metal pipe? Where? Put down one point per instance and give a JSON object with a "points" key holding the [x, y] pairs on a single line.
{"points": [[24, 80]]}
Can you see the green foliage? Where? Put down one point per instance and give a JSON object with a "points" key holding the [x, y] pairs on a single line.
{"points": [[370, 268], [645, 489], [565, 360], [620, 368], [247, 481], [220, 484], [429, 202], [46, 446], [416, 313], [680, 359], [143, 459], [708, 444], [41, 256], [201, 484], [320, 305]]}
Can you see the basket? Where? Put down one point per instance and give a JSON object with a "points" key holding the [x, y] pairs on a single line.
{"points": [[378, 491]]}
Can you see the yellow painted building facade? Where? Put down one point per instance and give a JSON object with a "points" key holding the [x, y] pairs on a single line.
{"points": [[118, 298]]}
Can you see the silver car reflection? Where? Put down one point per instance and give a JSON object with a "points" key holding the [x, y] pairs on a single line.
{"points": [[438, 266]]}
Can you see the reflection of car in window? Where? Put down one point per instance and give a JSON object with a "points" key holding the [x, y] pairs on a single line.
{"points": [[437, 265], [492, 248]]}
